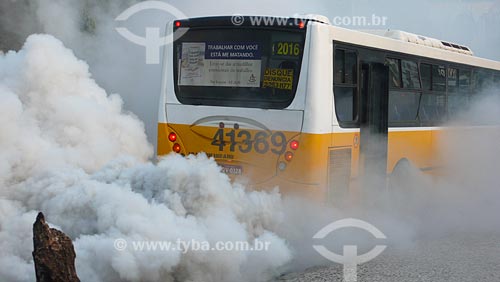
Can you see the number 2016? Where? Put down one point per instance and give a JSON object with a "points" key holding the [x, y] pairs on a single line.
{"points": [[288, 49], [260, 143]]}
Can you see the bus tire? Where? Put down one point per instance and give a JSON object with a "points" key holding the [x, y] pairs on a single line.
{"points": [[403, 185]]}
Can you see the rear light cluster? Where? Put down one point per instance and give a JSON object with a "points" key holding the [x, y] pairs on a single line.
{"points": [[172, 137], [294, 145], [176, 148]]}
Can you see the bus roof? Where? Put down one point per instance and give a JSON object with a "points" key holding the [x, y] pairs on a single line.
{"points": [[422, 40], [405, 43], [391, 40]]}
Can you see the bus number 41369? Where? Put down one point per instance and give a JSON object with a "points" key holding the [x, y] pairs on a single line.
{"points": [[244, 142]]}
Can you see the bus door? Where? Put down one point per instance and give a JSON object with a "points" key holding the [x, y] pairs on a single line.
{"points": [[374, 97]]}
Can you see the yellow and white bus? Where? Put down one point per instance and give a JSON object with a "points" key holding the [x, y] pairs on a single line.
{"points": [[305, 105]]}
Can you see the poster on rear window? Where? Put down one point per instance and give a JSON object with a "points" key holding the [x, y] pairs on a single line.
{"points": [[220, 64]]}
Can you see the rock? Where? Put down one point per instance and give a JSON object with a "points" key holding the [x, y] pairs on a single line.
{"points": [[54, 254]]}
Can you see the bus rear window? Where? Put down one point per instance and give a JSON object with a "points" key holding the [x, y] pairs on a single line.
{"points": [[238, 67]]}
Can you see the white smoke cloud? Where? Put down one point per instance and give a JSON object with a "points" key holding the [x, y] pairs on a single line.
{"points": [[69, 150], [52, 107]]}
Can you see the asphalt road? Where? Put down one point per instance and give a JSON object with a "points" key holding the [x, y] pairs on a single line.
{"points": [[457, 258]]}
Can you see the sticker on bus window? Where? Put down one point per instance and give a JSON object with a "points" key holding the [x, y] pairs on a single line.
{"points": [[192, 62], [278, 78], [220, 64]]}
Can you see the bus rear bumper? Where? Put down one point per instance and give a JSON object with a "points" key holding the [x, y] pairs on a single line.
{"points": [[314, 191]]}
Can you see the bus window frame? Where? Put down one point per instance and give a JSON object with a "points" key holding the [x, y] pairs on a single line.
{"points": [[460, 69], [477, 87], [400, 58], [464, 68], [400, 74], [356, 97], [432, 91], [496, 78]]}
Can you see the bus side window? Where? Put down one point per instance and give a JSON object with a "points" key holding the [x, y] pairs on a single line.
{"points": [[458, 84], [410, 76], [339, 69], [433, 104], [474, 81], [344, 104], [351, 62], [452, 80], [404, 93], [432, 107], [464, 81], [481, 81], [394, 72], [345, 86], [496, 79], [345, 67], [438, 78], [403, 106], [425, 71]]}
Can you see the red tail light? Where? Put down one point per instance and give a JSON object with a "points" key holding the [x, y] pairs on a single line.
{"points": [[172, 137], [294, 145], [302, 25], [176, 148], [288, 156]]}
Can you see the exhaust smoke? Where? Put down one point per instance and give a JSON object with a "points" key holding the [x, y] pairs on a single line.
{"points": [[69, 150]]}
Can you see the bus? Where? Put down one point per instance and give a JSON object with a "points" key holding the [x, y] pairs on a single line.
{"points": [[307, 106]]}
